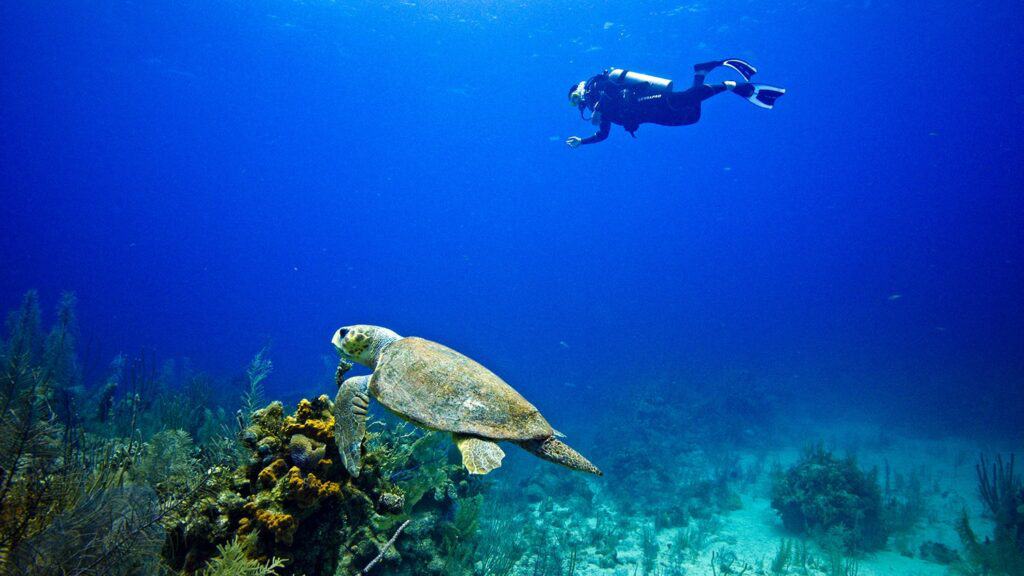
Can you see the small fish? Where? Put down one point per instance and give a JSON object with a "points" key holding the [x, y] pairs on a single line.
{"points": [[563, 344], [608, 25], [569, 385], [895, 297]]}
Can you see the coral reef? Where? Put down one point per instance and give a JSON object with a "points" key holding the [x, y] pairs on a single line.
{"points": [[430, 485], [291, 500], [832, 499], [147, 473]]}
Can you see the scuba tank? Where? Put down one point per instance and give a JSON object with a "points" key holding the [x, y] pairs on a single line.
{"points": [[628, 78]]}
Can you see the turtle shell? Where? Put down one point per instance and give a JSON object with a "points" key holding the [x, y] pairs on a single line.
{"points": [[436, 387]]}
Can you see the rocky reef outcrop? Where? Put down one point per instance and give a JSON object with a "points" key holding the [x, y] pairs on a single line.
{"points": [[291, 499]]}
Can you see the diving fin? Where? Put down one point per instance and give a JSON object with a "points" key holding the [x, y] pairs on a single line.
{"points": [[760, 95], [744, 68]]}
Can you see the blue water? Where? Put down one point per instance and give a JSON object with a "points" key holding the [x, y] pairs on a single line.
{"points": [[213, 177]]}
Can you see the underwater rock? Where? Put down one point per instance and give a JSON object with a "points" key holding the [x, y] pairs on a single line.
{"points": [[938, 552]]}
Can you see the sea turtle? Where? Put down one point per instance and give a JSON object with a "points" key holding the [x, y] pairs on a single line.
{"points": [[437, 388]]}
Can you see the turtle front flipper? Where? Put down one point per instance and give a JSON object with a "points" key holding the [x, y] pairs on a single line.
{"points": [[479, 456], [350, 408], [554, 450]]}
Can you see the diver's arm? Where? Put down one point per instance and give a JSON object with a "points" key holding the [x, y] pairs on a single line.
{"points": [[601, 134], [603, 102]]}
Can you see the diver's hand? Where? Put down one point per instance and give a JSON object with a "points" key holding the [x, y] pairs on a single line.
{"points": [[574, 142]]}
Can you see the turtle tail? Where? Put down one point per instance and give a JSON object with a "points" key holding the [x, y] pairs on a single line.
{"points": [[554, 450]]}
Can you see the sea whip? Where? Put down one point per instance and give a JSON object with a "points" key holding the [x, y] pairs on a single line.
{"points": [[384, 549]]}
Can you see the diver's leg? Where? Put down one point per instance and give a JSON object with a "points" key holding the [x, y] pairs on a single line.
{"points": [[705, 91], [700, 71], [697, 94], [684, 108]]}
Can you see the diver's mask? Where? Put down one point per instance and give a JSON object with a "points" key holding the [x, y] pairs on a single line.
{"points": [[578, 94], [578, 98]]}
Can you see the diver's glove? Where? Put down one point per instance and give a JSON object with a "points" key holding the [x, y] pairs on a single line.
{"points": [[574, 142]]}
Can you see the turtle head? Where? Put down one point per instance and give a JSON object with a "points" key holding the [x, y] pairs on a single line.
{"points": [[362, 343]]}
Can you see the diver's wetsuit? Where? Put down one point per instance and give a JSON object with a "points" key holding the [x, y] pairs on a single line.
{"points": [[631, 106]]}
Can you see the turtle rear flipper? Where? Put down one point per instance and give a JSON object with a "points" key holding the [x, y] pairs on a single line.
{"points": [[479, 456], [350, 408], [554, 450]]}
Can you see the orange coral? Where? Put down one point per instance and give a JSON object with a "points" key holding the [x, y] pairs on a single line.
{"points": [[282, 526], [304, 411], [269, 475], [314, 421], [244, 525], [310, 490]]}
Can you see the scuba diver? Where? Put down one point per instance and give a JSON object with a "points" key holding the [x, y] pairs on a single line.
{"points": [[630, 99]]}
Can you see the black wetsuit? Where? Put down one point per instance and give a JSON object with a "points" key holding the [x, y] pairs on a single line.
{"points": [[631, 106]]}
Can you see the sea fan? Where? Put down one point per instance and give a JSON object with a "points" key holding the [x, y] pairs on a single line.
{"points": [[232, 560], [112, 532], [259, 368]]}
